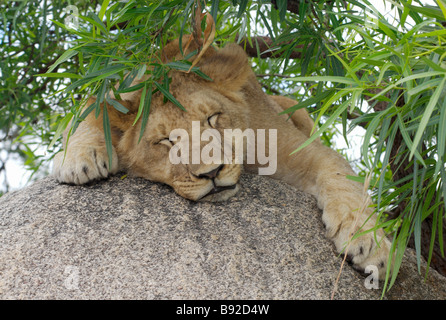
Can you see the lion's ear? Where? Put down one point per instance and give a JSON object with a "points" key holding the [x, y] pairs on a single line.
{"points": [[229, 67]]}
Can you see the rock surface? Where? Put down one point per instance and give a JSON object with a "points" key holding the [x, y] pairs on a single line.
{"points": [[133, 239]]}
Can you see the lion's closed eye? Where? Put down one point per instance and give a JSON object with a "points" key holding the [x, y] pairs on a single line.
{"points": [[165, 141], [212, 120]]}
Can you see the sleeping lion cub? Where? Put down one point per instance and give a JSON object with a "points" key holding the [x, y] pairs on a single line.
{"points": [[233, 100]]}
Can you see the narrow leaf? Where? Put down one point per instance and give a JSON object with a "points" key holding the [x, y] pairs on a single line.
{"points": [[324, 78], [141, 103], [324, 127], [308, 102], [118, 106], [169, 96], [59, 75], [62, 126], [64, 57], [426, 116], [107, 135], [146, 112], [103, 9]]}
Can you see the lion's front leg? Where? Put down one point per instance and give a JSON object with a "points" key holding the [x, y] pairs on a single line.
{"points": [[83, 163], [86, 157], [346, 205], [346, 211]]}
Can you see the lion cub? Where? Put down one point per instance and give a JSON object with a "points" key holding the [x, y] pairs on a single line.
{"points": [[233, 100]]}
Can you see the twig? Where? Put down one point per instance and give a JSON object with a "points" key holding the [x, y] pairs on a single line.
{"points": [[273, 75], [361, 211]]}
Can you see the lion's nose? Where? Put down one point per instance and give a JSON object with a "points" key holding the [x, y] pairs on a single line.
{"points": [[211, 174]]}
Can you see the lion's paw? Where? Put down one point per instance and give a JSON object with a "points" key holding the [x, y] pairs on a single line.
{"points": [[367, 251], [83, 164]]}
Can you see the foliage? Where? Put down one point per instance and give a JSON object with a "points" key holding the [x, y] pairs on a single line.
{"points": [[400, 66], [29, 107], [393, 78], [343, 60]]}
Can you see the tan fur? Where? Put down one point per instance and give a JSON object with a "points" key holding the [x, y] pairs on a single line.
{"points": [[237, 98]]}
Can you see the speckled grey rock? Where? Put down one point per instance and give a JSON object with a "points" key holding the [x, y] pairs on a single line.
{"points": [[133, 239]]}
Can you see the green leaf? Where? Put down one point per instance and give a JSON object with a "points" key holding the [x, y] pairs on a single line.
{"points": [[185, 66], [371, 129], [387, 29], [409, 78], [141, 103], [105, 72], [64, 57], [427, 85], [441, 140], [214, 9], [417, 237], [432, 240], [324, 127], [306, 61], [308, 102], [241, 10], [103, 9], [94, 19], [60, 128], [406, 137], [442, 6], [146, 111], [201, 74], [60, 75], [131, 89], [96, 76], [118, 106], [141, 71], [405, 14], [168, 95], [421, 75], [282, 7], [429, 12], [401, 244], [436, 33], [432, 64], [84, 115], [426, 116], [179, 65], [325, 79], [107, 136], [76, 84], [384, 68]]}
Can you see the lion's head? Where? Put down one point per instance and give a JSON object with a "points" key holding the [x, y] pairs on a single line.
{"points": [[218, 104]]}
